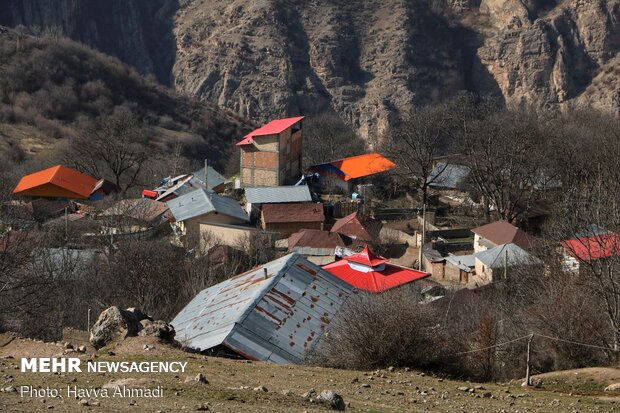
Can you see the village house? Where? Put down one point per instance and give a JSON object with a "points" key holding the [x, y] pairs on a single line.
{"points": [[358, 227], [320, 246], [277, 312], [594, 244], [370, 272], [57, 182], [132, 216], [286, 219], [480, 268], [271, 155], [256, 197], [173, 187], [232, 235], [347, 171], [499, 233], [202, 206], [493, 264]]}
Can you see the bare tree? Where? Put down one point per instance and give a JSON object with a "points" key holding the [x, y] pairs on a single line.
{"points": [[327, 138], [415, 144], [113, 148]]}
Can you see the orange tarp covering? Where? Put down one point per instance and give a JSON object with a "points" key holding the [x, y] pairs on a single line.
{"points": [[57, 182], [356, 166]]}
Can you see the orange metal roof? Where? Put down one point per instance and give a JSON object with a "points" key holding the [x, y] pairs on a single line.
{"points": [[271, 128], [356, 166], [58, 182]]}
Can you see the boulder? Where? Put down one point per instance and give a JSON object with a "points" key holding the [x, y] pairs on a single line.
{"points": [[115, 323], [159, 329], [613, 387], [332, 399]]}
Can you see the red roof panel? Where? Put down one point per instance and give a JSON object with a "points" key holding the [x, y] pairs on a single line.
{"points": [[594, 247], [272, 128], [378, 278]]}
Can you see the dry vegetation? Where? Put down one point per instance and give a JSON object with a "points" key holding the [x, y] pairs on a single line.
{"points": [[232, 383], [55, 93]]}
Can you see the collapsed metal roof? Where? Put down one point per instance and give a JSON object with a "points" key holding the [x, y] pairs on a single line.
{"points": [[276, 312]]}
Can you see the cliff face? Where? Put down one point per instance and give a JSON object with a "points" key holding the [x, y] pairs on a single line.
{"points": [[559, 57], [367, 60]]}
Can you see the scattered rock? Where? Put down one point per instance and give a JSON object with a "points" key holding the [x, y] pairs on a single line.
{"points": [[159, 329], [331, 399], [84, 402], [487, 395], [366, 385], [391, 368], [199, 378], [10, 389], [463, 388], [613, 387], [310, 394], [261, 389], [203, 407], [81, 349]]}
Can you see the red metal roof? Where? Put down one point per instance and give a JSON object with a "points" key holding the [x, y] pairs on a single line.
{"points": [[272, 128], [368, 258], [377, 277], [57, 182], [593, 247]]}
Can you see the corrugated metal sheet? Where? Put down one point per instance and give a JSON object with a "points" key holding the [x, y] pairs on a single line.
{"points": [[214, 177], [506, 254], [276, 312], [277, 194], [201, 202]]}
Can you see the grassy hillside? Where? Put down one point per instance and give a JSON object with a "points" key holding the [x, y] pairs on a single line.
{"points": [[52, 89], [233, 383]]}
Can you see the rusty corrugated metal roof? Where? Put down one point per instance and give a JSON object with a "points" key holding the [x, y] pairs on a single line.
{"points": [[276, 312]]}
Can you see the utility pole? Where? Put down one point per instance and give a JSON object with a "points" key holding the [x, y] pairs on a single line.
{"points": [[423, 236], [528, 379], [206, 174], [505, 263], [66, 225], [88, 321]]}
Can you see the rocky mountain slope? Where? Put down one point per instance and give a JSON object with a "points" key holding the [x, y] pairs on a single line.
{"points": [[367, 61]]}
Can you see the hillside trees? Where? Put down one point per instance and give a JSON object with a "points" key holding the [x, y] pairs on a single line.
{"points": [[506, 153], [113, 148], [327, 138]]}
